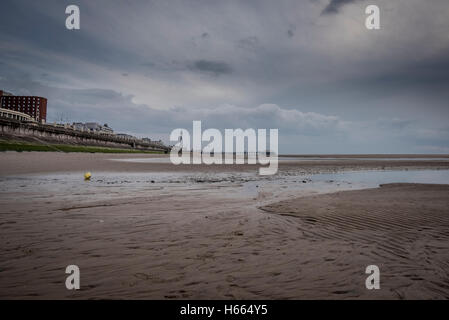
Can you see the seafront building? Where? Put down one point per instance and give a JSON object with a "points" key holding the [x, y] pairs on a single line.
{"points": [[126, 136], [33, 106], [15, 115], [148, 140], [32, 112], [4, 93], [93, 127]]}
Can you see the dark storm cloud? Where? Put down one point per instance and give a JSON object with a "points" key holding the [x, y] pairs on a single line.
{"points": [[335, 5], [251, 43], [214, 67], [154, 65]]}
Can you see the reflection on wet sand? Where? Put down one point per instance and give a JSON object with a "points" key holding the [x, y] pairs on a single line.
{"points": [[222, 233]]}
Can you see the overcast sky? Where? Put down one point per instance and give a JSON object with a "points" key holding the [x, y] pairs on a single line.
{"points": [[309, 68]]}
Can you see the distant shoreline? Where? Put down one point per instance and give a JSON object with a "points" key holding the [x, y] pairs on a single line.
{"points": [[374, 155], [79, 161], [19, 146]]}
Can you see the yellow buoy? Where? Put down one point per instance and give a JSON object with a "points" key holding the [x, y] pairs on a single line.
{"points": [[87, 176]]}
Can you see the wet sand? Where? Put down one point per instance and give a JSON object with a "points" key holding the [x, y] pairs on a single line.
{"points": [[210, 241], [48, 162], [401, 228]]}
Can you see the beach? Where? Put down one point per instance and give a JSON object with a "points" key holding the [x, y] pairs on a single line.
{"points": [[146, 229]]}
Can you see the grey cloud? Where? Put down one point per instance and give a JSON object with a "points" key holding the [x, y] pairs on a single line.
{"points": [[299, 131], [335, 5], [251, 43], [291, 30], [148, 64], [322, 77], [213, 67], [395, 123]]}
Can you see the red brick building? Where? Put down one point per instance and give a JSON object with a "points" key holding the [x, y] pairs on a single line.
{"points": [[33, 106]]}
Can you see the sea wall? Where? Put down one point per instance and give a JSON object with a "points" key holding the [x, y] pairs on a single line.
{"points": [[52, 134]]}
